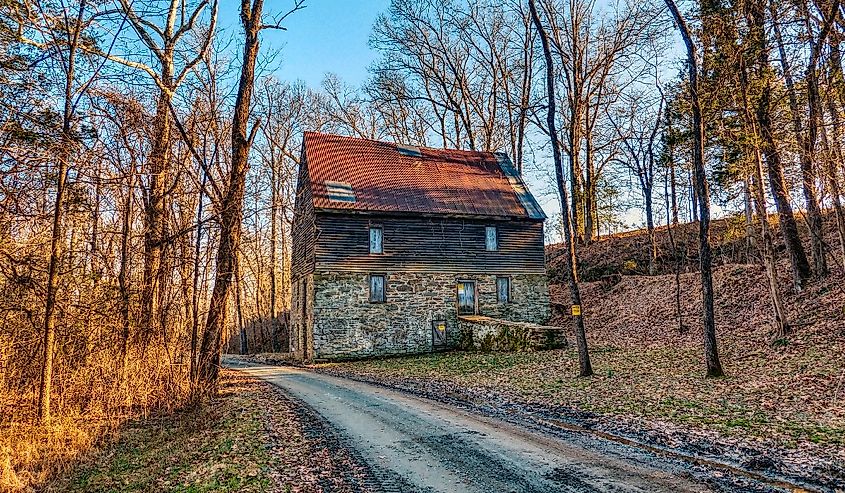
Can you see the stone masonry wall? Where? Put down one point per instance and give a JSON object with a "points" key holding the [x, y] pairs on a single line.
{"points": [[302, 318], [347, 325]]}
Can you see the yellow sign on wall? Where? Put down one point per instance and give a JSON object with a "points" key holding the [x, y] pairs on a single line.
{"points": [[576, 310]]}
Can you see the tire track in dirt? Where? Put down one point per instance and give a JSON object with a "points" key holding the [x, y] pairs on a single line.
{"points": [[410, 444]]}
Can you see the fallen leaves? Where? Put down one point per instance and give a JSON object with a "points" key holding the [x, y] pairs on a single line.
{"points": [[649, 376], [250, 439]]}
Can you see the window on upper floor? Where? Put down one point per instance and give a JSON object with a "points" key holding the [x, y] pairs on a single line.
{"points": [[491, 238], [376, 239], [377, 288]]}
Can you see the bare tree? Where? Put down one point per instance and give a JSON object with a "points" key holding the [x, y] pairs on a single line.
{"points": [[639, 136], [711, 352], [61, 34], [231, 205], [169, 47], [571, 257]]}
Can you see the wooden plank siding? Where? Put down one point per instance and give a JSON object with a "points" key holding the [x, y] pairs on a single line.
{"points": [[427, 244], [303, 230]]}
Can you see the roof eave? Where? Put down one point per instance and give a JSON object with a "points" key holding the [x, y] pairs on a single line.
{"points": [[455, 215]]}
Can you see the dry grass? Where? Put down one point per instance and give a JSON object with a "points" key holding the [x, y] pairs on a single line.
{"points": [[90, 402]]}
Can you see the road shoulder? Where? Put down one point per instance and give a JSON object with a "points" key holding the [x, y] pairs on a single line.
{"points": [[729, 462], [252, 438]]}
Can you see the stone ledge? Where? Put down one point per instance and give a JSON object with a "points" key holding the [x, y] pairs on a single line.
{"points": [[491, 334]]}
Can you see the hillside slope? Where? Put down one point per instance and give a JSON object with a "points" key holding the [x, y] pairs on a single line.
{"points": [[628, 252]]}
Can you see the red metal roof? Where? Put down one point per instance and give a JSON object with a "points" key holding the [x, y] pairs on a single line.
{"points": [[385, 177]]}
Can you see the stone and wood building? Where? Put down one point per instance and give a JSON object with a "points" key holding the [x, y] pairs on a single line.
{"points": [[400, 250]]}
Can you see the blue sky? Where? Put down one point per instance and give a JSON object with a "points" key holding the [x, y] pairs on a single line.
{"points": [[326, 36], [332, 36]]}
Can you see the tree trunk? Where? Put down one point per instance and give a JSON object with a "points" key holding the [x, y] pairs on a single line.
{"points": [[274, 199], [808, 172], [756, 39], [649, 221], [584, 363], [244, 349], [806, 140], [788, 226], [231, 207], [53, 275], [122, 281], [154, 212], [56, 237], [837, 156], [711, 353], [195, 322], [749, 214], [781, 323], [693, 196], [589, 191], [673, 186]]}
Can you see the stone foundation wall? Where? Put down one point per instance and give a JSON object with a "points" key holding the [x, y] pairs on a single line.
{"points": [[347, 325]]}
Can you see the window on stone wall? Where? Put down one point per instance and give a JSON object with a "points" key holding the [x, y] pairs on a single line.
{"points": [[376, 240], [377, 288], [503, 289], [491, 238]]}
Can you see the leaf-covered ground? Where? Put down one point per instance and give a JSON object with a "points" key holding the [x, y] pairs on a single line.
{"points": [[786, 393], [250, 439]]}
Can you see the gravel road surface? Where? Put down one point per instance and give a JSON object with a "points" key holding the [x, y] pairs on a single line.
{"points": [[416, 445]]}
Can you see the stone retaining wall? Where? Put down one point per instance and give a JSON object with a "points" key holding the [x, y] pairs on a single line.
{"points": [[489, 334]]}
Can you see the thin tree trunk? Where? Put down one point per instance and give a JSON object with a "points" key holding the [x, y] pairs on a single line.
{"points": [[679, 314], [781, 323], [195, 322], [589, 191], [584, 363], [673, 186], [239, 312], [832, 179], [649, 219], [749, 214], [56, 237], [53, 276], [274, 199], [711, 353], [122, 281]]}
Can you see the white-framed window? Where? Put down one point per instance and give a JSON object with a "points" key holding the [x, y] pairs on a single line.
{"points": [[491, 238], [377, 288], [376, 239], [503, 289]]}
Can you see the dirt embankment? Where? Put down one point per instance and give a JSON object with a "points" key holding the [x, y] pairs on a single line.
{"points": [[628, 253]]}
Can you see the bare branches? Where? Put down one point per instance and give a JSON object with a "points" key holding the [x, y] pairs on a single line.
{"points": [[280, 18]]}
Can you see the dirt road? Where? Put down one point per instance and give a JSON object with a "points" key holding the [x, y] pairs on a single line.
{"points": [[415, 445]]}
